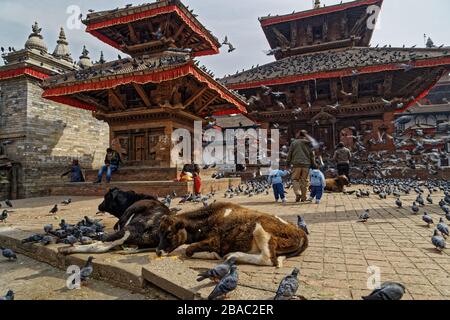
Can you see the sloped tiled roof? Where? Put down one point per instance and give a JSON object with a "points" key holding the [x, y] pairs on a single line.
{"points": [[334, 60], [119, 68]]}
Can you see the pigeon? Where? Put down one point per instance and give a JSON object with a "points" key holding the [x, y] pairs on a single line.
{"points": [[364, 216], [387, 291], [218, 272], [8, 297], [8, 254], [288, 286], [69, 240], [54, 210], [430, 199], [415, 208], [4, 216], [47, 240], [67, 202], [86, 240], [33, 238], [228, 284], [427, 219], [48, 228], [443, 228], [399, 203], [87, 270], [438, 241], [302, 224], [8, 203]]}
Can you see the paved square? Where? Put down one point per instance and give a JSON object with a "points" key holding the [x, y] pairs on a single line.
{"points": [[335, 266]]}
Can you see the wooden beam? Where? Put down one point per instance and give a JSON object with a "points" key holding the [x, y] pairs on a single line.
{"points": [[178, 33], [92, 101], [355, 88], [294, 34], [142, 94], [195, 96], [114, 95], [207, 104], [133, 35]]}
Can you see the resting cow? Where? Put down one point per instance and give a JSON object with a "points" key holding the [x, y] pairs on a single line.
{"points": [[138, 224], [337, 185], [231, 231]]}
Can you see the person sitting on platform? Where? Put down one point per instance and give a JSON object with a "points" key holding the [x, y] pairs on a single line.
{"points": [[186, 174], [112, 163], [76, 175]]}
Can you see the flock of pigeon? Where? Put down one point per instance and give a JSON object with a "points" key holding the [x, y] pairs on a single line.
{"points": [[397, 188], [85, 232]]}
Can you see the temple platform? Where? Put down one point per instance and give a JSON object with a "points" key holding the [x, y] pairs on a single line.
{"points": [[157, 188]]}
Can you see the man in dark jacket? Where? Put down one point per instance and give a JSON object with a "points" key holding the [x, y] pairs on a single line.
{"points": [[76, 175], [112, 163], [343, 156], [301, 158]]}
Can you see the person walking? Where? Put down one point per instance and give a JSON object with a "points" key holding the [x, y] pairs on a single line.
{"points": [[343, 156], [276, 180], [318, 184], [301, 158]]}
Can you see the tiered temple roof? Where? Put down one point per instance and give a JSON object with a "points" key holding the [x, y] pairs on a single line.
{"points": [[321, 28], [337, 63], [90, 88], [161, 76], [152, 27]]}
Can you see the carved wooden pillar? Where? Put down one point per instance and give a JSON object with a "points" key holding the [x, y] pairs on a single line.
{"points": [[333, 90], [387, 85], [355, 88]]}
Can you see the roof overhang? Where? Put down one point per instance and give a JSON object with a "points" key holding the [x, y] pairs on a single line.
{"points": [[66, 93], [149, 11], [268, 21]]}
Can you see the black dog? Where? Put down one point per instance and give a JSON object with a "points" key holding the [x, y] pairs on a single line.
{"points": [[139, 217]]}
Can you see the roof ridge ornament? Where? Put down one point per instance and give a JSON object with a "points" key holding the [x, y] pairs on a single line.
{"points": [[62, 48], [35, 39], [316, 4]]}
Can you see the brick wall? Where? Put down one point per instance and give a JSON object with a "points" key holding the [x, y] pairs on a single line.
{"points": [[54, 134]]}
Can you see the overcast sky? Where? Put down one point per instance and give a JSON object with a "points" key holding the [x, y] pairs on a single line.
{"points": [[401, 22]]}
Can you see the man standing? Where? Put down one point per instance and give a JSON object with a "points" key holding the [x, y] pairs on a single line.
{"points": [[301, 158], [112, 163], [342, 156]]}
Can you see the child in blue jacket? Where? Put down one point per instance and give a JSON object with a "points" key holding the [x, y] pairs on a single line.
{"points": [[318, 184], [276, 180]]}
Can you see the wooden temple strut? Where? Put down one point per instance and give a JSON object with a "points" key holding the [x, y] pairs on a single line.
{"points": [[197, 95], [142, 94]]}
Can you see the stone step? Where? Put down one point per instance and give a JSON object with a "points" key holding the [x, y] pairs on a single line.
{"points": [[136, 174], [145, 173], [159, 188]]}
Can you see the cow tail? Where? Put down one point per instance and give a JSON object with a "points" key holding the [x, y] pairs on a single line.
{"points": [[301, 246]]}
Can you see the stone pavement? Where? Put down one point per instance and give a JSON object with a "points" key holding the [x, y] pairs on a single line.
{"points": [[340, 251]]}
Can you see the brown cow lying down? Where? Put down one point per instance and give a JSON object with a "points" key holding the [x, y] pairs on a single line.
{"points": [[337, 185], [231, 231]]}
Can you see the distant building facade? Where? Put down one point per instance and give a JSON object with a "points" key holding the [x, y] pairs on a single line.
{"points": [[39, 138]]}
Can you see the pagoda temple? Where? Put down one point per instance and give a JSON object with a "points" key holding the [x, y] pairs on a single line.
{"points": [[328, 80], [158, 89]]}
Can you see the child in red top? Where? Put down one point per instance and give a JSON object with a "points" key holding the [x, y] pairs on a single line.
{"points": [[197, 180]]}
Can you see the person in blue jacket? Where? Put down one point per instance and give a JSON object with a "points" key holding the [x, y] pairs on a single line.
{"points": [[276, 180], [318, 184], [76, 174]]}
